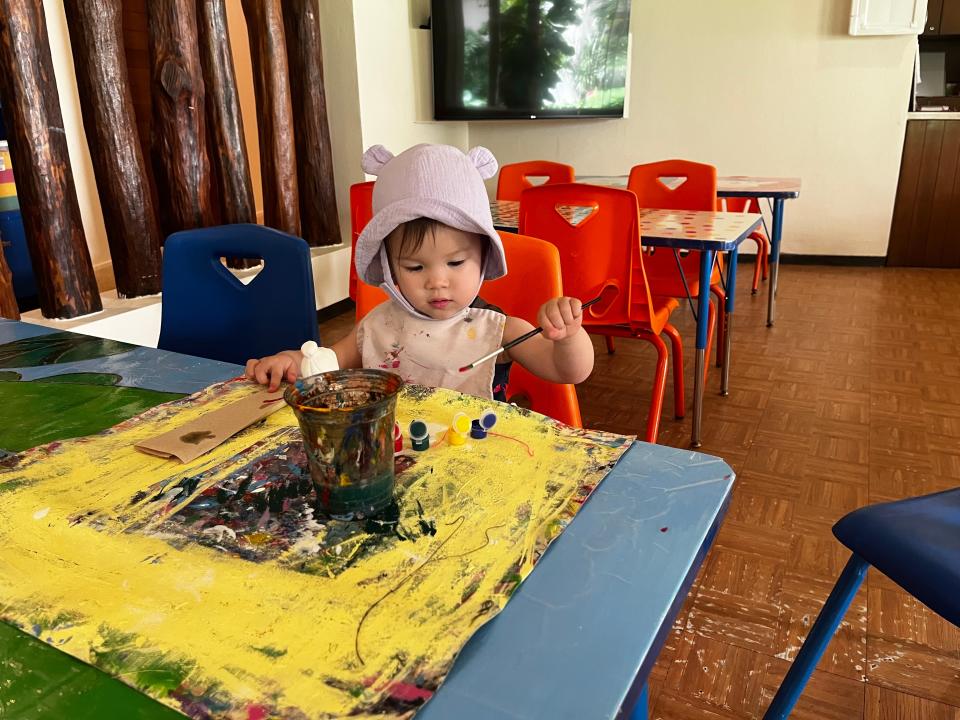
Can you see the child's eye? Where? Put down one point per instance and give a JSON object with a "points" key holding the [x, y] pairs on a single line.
{"points": [[456, 263], [413, 268]]}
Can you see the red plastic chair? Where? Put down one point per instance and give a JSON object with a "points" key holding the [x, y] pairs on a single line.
{"points": [[361, 210], [751, 205], [533, 279], [698, 191], [601, 256], [513, 177]]}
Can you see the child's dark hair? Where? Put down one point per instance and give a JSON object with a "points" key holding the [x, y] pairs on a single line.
{"points": [[411, 234]]}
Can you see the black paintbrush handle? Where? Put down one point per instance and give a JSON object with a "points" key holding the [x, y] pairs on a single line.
{"points": [[538, 330]]}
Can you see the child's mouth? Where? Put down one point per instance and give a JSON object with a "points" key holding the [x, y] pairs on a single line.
{"points": [[439, 304]]}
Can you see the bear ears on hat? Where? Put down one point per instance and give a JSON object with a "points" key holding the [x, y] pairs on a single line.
{"points": [[378, 156]]}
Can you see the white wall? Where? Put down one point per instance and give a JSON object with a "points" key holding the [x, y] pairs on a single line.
{"points": [[393, 74], [756, 88]]}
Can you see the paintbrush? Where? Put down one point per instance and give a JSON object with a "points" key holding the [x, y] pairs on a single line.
{"points": [[517, 341]]}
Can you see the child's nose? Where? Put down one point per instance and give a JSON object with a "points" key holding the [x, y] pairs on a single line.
{"points": [[437, 279]]}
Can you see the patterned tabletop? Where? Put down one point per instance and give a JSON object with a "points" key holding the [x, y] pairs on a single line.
{"points": [[691, 229], [728, 186]]}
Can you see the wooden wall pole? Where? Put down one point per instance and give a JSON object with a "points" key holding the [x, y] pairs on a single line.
{"points": [[38, 148], [228, 151], [318, 199], [8, 299], [96, 35], [278, 160], [179, 142]]}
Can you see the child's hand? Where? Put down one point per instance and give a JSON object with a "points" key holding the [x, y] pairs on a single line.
{"points": [[273, 370], [560, 318]]}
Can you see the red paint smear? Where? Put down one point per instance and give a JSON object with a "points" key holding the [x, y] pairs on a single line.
{"points": [[257, 712], [663, 529]]}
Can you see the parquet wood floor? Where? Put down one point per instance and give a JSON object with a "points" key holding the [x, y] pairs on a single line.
{"points": [[853, 397]]}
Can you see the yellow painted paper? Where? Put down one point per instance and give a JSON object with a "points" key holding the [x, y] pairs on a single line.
{"points": [[213, 587]]}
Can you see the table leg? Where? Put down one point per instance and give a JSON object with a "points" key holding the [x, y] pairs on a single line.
{"points": [[774, 260], [703, 327], [731, 292], [640, 710]]}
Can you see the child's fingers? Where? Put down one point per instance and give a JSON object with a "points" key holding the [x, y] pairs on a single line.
{"points": [[248, 372], [276, 375], [555, 317], [260, 373], [292, 372], [566, 312]]}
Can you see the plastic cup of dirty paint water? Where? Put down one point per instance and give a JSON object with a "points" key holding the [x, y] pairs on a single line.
{"points": [[347, 419]]}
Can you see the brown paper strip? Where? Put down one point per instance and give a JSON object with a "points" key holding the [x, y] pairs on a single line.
{"points": [[193, 439]]}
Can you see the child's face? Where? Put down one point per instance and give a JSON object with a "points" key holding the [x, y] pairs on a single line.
{"points": [[442, 276]]}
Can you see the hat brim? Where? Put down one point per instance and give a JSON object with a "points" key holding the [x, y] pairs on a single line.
{"points": [[390, 217]]}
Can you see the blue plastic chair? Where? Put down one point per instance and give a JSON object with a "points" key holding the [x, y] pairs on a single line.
{"points": [[208, 312], [915, 543]]}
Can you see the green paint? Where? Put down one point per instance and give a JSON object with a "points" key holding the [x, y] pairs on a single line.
{"points": [[270, 652], [46, 683], [9, 376], [147, 669], [56, 348], [56, 409]]}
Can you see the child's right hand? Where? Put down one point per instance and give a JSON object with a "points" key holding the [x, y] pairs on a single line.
{"points": [[274, 369]]}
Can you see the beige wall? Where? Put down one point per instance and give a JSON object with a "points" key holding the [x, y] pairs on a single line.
{"points": [[393, 73], [756, 88]]}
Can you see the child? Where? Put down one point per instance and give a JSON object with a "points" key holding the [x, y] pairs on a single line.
{"points": [[429, 246]]}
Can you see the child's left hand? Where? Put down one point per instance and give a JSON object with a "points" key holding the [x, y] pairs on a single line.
{"points": [[560, 318]]}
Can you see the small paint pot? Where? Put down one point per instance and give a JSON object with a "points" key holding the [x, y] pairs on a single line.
{"points": [[397, 438], [477, 431], [419, 435], [459, 427], [488, 418]]}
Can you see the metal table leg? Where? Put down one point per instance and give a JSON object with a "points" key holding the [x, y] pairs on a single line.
{"points": [[774, 260], [703, 322], [731, 292]]}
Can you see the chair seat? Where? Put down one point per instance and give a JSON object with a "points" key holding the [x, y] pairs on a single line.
{"points": [[914, 542], [642, 315]]}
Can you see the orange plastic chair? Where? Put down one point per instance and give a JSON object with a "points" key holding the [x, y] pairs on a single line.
{"points": [[751, 205], [361, 210], [601, 256], [513, 177], [533, 278], [697, 191]]}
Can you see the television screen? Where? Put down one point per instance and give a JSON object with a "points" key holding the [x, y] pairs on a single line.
{"points": [[508, 59]]}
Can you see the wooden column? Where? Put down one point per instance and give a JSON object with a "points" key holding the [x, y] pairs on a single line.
{"points": [[278, 161], [38, 149], [179, 142], [8, 299], [318, 200], [228, 151], [96, 35]]}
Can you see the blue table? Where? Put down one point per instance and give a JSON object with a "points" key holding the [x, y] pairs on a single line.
{"points": [[707, 232], [577, 640], [775, 190]]}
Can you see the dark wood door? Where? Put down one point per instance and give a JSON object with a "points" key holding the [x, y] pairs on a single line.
{"points": [[950, 18], [934, 9], [925, 231]]}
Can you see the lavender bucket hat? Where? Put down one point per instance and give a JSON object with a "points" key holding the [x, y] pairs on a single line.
{"points": [[434, 181]]}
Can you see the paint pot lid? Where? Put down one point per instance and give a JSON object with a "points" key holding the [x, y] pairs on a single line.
{"points": [[418, 430], [461, 423], [488, 418]]}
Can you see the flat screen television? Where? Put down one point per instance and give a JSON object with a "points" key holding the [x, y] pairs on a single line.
{"points": [[513, 59]]}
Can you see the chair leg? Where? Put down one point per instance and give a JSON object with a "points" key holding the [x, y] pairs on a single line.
{"points": [[679, 402], [712, 322], [640, 710], [659, 385], [766, 256], [820, 634], [609, 339], [720, 323]]}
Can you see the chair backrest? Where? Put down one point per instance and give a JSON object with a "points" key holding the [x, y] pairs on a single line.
{"points": [[533, 278], [651, 184], [361, 210], [206, 311], [599, 255], [513, 178]]}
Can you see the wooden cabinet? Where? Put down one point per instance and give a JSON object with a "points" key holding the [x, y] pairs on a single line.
{"points": [[934, 11], [925, 231], [943, 18]]}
